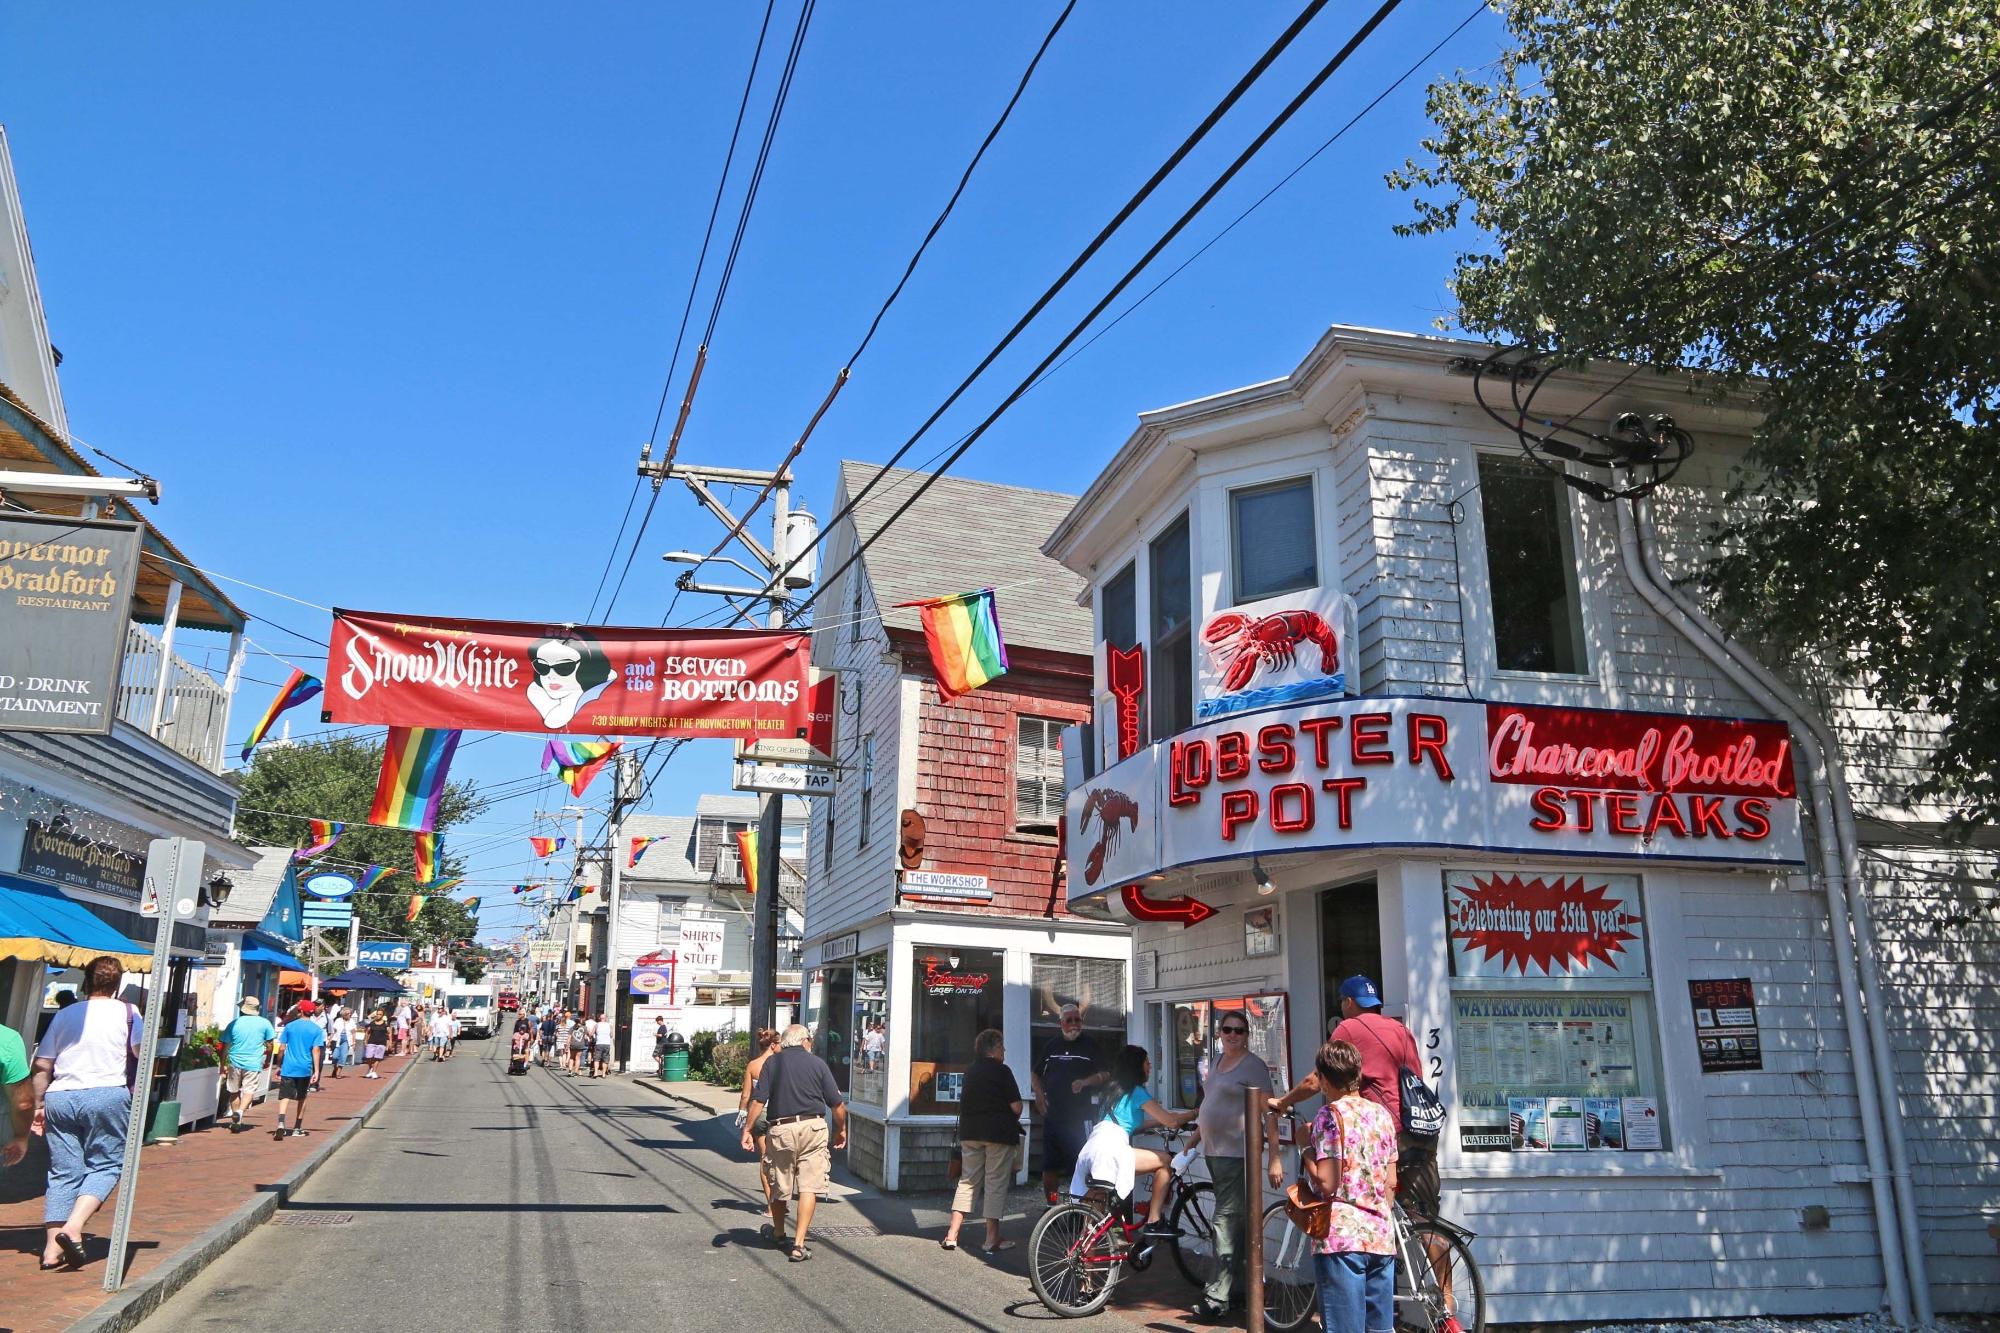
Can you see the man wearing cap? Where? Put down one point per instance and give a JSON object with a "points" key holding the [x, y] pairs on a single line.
{"points": [[249, 1036], [1065, 1085], [303, 1043], [1387, 1048]]}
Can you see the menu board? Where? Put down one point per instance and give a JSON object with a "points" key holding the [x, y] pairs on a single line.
{"points": [[1725, 1021], [1545, 1072]]}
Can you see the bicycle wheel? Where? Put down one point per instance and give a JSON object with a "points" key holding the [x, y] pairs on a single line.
{"points": [[1194, 1227], [1291, 1281], [1451, 1289], [1073, 1260]]}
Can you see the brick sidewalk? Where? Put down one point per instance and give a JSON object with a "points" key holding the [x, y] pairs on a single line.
{"points": [[185, 1188]]}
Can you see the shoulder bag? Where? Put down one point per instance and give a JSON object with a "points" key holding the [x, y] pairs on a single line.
{"points": [[1423, 1113], [1307, 1211]]}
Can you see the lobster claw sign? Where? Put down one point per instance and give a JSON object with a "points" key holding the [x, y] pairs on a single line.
{"points": [[1281, 650]]}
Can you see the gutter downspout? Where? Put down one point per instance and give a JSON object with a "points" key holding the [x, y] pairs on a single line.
{"points": [[1643, 568]]}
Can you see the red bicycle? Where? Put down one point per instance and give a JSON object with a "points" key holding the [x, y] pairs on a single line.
{"points": [[1081, 1249]]}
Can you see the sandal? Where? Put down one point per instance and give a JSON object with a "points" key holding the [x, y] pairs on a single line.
{"points": [[72, 1249], [947, 1245], [996, 1249], [800, 1254]]}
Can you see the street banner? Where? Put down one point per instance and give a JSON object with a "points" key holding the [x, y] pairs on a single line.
{"points": [[65, 599], [491, 675]]}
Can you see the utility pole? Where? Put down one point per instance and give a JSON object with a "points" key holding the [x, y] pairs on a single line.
{"points": [[624, 794], [774, 592]]}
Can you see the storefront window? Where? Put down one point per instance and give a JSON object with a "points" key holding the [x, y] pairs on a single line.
{"points": [[833, 1035], [870, 1049], [955, 994], [1552, 1027], [1095, 985], [1191, 1043]]}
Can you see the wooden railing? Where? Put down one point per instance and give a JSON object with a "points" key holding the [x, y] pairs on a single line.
{"points": [[196, 709]]}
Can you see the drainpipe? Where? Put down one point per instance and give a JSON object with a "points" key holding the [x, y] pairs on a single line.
{"points": [[1865, 1036]]}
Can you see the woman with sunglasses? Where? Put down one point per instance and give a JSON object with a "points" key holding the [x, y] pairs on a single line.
{"points": [[1221, 1122]]}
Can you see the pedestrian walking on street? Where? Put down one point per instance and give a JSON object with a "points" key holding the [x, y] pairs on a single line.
{"points": [[377, 1043], [600, 1065], [1066, 1084], [1352, 1162], [797, 1090], [989, 1132], [762, 1048], [439, 1027], [82, 1079], [579, 1045], [341, 1034], [302, 1043], [404, 1016], [249, 1037], [1221, 1123], [547, 1034], [18, 1085]]}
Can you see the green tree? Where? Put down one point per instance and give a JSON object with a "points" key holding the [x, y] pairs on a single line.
{"points": [[1801, 198], [335, 779]]}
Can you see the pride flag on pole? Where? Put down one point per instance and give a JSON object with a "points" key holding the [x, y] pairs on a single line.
{"points": [[639, 846], [746, 852], [425, 852], [298, 688], [372, 876], [963, 633], [416, 905], [415, 764], [577, 762], [546, 846], [321, 834]]}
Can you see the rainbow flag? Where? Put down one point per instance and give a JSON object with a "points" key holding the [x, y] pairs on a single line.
{"points": [[746, 851], [321, 834], [963, 632], [546, 846], [577, 762], [441, 886], [372, 876], [424, 851], [298, 688], [639, 846], [414, 766], [416, 906]]}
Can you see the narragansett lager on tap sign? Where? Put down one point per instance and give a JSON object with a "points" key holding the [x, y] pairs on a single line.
{"points": [[492, 675]]}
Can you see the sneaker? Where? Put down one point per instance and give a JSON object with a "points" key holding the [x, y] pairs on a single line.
{"points": [[1159, 1231], [300, 1133], [280, 1133]]}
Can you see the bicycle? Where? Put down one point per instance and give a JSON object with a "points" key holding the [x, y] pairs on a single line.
{"points": [[1082, 1248], [1438, 1285]]}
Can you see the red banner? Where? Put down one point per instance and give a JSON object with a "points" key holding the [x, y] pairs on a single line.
{"points": [[492, 675], [1586, 747]]}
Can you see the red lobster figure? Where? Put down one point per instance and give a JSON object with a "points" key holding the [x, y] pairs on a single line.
{"points": [[1241, 645], [1112, 808]]}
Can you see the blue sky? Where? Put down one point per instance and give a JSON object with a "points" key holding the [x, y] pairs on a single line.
{"points": [[385, 294]]}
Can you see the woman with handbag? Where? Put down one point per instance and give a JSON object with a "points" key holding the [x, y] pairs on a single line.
{"points": [[989, 1136], [1351, 1166]]}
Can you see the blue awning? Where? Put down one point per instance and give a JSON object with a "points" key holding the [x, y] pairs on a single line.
{"points": [[39, 924], [259, 947]]}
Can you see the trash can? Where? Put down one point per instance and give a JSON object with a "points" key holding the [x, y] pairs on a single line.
{"points": [[674, 1066]]}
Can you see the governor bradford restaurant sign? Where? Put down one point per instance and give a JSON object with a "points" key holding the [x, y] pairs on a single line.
{"points": [[492, 675], [65, 598], [1439, 773]]}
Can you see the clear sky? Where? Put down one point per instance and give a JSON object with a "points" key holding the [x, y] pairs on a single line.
{"points": [[385, 294]]}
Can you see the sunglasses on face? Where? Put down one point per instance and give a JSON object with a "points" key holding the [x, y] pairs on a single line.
{"points": [[1235, 1032], [557, 668]]}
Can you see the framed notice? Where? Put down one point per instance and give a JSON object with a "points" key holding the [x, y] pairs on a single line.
{"points": [[1260, 931], [1725, 1024]]}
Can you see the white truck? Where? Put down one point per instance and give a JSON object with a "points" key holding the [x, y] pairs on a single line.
{"points": [[472, 1004]]}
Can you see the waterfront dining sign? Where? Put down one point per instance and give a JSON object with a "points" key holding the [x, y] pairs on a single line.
{"points": [[492, 675], [1406, 772]]}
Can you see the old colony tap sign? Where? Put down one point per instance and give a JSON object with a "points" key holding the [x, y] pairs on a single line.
{"points": [[1439, 773], [488, 675]]}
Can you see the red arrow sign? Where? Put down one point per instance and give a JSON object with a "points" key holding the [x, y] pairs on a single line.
{"points": [[1182, 908]]}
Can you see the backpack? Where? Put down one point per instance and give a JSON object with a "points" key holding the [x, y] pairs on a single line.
{"points": [[1423, 1113]]}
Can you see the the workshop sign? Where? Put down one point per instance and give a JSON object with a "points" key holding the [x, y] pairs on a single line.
{"points": [[491, 675], [65, 601], [62, 857]]}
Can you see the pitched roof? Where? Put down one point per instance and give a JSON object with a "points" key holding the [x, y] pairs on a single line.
{"points": [[961, 536], [254, 889]]}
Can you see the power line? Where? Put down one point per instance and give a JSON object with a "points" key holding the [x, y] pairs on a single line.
{"points": [[1264, 136]]}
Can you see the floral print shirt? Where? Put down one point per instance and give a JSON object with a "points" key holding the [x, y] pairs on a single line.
{"points": [[1358, 1135]]}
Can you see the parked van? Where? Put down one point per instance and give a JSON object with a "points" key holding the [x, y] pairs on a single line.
{"points": [[471, 1003]]}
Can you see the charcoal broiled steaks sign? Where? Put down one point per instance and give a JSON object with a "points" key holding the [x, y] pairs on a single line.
{"points": [[492, 675], [65, 598]]}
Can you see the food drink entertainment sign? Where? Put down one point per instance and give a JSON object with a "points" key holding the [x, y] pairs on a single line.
{"points": [[65, 598], [489, 675], [1401, 772]]}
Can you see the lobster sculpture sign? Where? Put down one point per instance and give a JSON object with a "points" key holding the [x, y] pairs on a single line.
{"points": [[1280, 650]]}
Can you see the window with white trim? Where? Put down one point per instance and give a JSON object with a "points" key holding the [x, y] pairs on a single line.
{"points": [[1531, 568], [1038, 774], [1273, 543]]}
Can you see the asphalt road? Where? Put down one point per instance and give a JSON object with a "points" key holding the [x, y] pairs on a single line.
{"points": [[476, 1200]]}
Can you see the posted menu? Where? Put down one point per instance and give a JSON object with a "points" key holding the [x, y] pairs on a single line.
{"points": [[1548, 1073]]}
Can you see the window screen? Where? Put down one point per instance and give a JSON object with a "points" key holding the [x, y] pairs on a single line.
{"points": [[1272, 538], [1038, 773]]}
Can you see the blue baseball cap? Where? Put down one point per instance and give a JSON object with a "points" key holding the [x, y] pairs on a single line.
{"points": [[1362, 991]]}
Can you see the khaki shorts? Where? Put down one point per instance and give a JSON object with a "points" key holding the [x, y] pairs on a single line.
{"points": [[798, 1157], [244, 1083]]}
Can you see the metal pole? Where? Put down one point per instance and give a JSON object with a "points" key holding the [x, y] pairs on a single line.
{"points": [[624, 783], [1253, 1206], [173, 877], [770, 828]]}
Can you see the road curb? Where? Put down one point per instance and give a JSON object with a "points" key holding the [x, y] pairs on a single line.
{"points": [[147, 1294], [668, 1091]]}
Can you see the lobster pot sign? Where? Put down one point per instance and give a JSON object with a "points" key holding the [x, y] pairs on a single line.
{"points": [[1281, 650]]}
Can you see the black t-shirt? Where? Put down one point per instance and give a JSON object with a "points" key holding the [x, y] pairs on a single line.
{"points": [[548, 1029], [985, 1103], [378, 1034], [1064, 1063], [794, 1081]]}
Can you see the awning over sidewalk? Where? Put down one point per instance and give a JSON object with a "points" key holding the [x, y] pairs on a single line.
{"points": [[261, 948], [38, 924]]}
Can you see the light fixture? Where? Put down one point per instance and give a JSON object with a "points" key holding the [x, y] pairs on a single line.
{"points": [[219, 888], [683, 557], [1257, 872]]}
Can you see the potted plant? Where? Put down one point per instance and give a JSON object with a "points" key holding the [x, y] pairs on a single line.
{"points": [[198, 1085]]}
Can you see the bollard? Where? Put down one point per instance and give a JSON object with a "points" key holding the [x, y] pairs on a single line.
{"points": [[1253, 1206]]}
